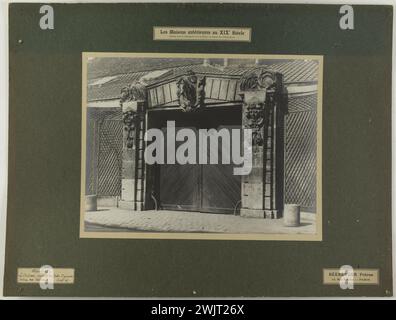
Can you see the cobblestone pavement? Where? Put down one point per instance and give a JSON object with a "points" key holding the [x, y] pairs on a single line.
{"points": [[180, 221]]}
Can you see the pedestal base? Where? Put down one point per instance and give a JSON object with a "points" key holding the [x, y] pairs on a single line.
{"points": [[128, 205], [260, 213], [131, 205]]}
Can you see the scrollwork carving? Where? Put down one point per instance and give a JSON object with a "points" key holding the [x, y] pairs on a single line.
{"points": [[257, 80], [259, 89]]}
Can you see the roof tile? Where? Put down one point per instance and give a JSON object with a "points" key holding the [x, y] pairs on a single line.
{"points": [[293, 71]]}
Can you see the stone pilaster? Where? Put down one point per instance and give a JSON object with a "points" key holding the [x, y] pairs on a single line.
{"points": [[262, 189], [133, 165]]}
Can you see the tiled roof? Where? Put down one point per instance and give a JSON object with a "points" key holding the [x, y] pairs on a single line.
{"points": [[108, 66], [112, 88], [293, 71], [298, 70]]}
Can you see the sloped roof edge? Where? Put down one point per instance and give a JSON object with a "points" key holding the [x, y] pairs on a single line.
{"points": [[296, 72]]}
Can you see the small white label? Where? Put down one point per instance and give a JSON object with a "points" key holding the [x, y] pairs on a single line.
{"points": [[36, 275], [202, 34], [357, 276]]}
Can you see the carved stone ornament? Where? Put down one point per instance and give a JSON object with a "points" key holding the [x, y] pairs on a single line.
{"points": [[254, 120], [130, 118], [134, 92], [257, 80], [191, 91], [254, 86]]}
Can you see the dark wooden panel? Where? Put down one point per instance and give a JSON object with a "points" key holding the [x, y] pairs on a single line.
{"points": [[206, 188], [179, 187], [221, 189]]}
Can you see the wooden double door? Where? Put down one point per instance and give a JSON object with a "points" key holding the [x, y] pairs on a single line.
{"points": [[202, 187]]}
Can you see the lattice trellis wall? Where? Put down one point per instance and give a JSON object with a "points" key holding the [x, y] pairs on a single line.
{"points": [[300, 152], [104, 149], [109, 162], [91, 156]]}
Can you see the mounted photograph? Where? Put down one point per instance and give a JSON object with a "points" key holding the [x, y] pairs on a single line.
{"points": [[201, 146]]}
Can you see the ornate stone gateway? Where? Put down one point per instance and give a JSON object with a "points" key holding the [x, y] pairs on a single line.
{"points": [[258, 93]]}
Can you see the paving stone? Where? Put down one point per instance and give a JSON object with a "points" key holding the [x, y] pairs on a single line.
{"points": [[180, 221]]}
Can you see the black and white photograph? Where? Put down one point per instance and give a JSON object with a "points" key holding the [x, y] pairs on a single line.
{"points": [[201, 146], [194, 152]]}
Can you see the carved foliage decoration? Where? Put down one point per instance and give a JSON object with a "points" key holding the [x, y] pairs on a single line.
{"points": [[130, 118], [256, 108], [258, 80], [191, 91], [134, 92], [254, 119]]}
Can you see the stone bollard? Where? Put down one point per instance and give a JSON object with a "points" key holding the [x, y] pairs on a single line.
{"points": [[291, 215], [91, 203]]}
